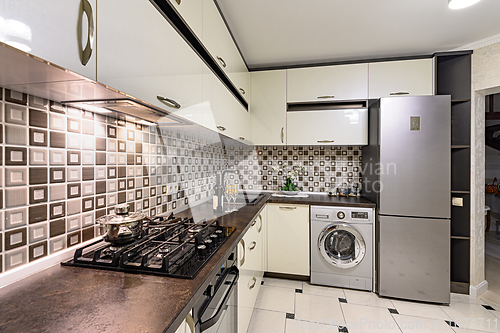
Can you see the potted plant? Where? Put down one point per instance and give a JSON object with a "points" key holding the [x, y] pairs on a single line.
{"points": [[289, 188]]}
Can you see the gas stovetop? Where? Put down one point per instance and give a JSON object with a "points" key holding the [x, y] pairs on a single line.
{"points": [[169, 246]]}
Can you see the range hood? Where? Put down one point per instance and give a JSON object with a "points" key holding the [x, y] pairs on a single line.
{"points": [[31, 75]]}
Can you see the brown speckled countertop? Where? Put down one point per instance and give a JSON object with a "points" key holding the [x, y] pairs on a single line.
{"points": [[63, 299]]}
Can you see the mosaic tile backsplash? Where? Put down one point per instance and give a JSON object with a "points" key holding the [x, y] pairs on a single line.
{"points": [[61, 168], [324, 167]]}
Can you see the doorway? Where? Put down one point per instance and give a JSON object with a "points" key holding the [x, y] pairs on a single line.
{"points": [[492, 197]]}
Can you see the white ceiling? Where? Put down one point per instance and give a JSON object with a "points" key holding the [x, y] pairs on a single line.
{"points": [[291, 32]]}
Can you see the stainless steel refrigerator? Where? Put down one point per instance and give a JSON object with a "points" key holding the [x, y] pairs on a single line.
{"points": [[406, 171]]}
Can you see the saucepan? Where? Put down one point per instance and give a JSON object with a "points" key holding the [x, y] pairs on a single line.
{"points": [[123, 226]]}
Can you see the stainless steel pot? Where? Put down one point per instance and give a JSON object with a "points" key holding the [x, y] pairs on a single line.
{"points": [[123, 227]]}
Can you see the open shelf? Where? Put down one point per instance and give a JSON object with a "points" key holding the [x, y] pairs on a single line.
{"points": [[453, 77], [460, 169], [460, 216], [459, 287], [460, 123], [460, 260]]}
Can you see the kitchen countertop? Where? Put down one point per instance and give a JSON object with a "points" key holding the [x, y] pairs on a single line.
{"points": [[62, 298]]}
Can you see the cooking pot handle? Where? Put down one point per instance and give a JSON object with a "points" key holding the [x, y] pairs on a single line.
{"points": [[148, 220], [124, 231]]}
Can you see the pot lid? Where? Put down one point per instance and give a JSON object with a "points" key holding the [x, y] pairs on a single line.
{"points": [[122, 215]]}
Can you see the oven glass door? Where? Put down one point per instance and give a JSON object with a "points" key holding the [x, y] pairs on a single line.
{"points": [[220, 315]]}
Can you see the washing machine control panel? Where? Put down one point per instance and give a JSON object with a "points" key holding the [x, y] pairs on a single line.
{"points": [[341, 215], [359, 215]]}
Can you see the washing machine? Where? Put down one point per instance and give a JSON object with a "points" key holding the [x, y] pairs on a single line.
{"points": [[342, 247]]}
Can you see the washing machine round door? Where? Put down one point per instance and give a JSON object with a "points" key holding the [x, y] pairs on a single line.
{"points": [[341, 245]]}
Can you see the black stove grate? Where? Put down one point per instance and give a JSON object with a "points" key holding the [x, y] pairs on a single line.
{"points": [[167, 247]]}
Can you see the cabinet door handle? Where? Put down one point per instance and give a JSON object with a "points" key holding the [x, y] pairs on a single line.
{"points": [[252, 245], [221, 128], [242, 261], [288, 208], [260, 229], [86, 53], [169, 102], [326, 96], [242, 91], [254, 222], [254, 280], [325, 141], [222, 62], [189, 318], [242, 138], [282, 135], [399, 93]]}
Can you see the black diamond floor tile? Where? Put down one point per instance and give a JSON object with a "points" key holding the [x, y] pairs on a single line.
{"points": [[290, 316], [452, 323], [342, 300], [393, 311]]}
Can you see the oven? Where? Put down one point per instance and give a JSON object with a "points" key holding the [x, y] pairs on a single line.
{"points": [[217, 311]]}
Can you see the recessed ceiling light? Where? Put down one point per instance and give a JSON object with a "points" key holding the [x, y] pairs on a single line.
{"points": [[459, 4]]}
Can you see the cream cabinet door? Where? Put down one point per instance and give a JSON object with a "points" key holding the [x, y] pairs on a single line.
{"points": [[327, 83], [268, 108], [288, 239], [159, 68], [328, 127], [249, 263], [59, 31], [191, 12], [220, 44], [222, 112], [406, 77]]}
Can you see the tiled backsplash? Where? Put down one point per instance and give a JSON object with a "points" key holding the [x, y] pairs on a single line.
{"points": [[65, 167], [325, 167], [62, 168]]}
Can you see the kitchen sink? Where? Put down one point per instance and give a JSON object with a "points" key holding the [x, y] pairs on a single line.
{"points": [[249, 198]]}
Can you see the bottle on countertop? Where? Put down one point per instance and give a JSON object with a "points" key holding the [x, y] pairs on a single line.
{"points": [[217, 196]]}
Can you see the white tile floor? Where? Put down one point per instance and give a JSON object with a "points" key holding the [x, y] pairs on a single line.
{"points": [[286, 306]]}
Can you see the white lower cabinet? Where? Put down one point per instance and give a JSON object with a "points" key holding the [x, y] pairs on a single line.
{"points": [[251, 266], [187, 325], [288, 239]]}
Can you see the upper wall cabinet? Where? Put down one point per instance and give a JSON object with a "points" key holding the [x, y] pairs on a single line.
{"points": [[221, 111], [192, 13], [159, 68], [329, 83], [328, 127], [268, 108], [218, 41], [59, 31], [407, 77]]}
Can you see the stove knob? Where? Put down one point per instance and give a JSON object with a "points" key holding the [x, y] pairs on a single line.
{"points": [[209, 245], [215, 238], [341, 215], [202, 251], [219, 233]]}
